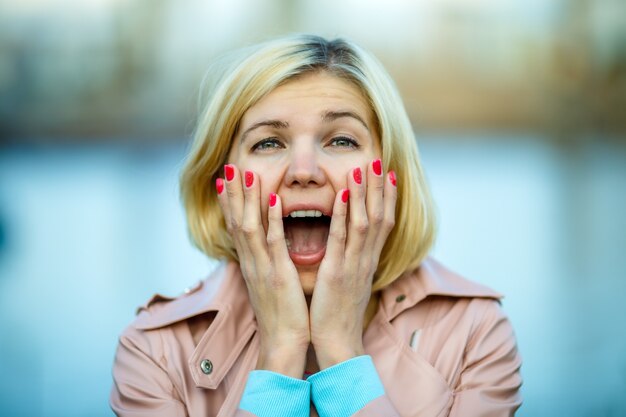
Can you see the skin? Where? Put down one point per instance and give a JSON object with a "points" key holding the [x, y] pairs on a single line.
{"points": [[304, 141]]}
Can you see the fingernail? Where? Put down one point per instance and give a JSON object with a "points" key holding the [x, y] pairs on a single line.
{"points": [[229, 172], [249, 178], [356, 174], [272, 199], [392, 178], [377, 167], [344, 195], [219, 184]]}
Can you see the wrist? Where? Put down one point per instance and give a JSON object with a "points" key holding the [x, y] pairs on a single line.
{"points": [[287, 361], [331, 355]]}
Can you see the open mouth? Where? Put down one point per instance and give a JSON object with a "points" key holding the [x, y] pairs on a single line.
{"points": [[306, 233]]}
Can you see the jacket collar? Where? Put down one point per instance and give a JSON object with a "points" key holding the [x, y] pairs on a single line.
{"points": [[430, 279], [162, 310], [234, 326], [225, 293]]}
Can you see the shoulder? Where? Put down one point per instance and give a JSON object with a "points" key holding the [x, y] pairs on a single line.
{"points": [[144, 336], [457, 308], [161, 311], [475, 305], [479, 305], [441, 280], [433, 284]]}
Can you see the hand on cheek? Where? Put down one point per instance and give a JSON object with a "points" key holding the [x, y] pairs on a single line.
{"points": [[363, 216], [271, 277]]}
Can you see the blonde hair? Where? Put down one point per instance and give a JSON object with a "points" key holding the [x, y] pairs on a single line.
{"points": [[245, 78]]}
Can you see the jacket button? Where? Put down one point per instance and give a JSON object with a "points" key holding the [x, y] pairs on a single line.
{"points": [[206, 366], [400, 298]]}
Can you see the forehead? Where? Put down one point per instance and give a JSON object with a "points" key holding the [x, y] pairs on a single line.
{"points": [[310, 95]]}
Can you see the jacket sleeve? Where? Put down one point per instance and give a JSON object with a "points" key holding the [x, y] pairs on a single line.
{"points": [[141, 386], [490, 381], [380, 407]]}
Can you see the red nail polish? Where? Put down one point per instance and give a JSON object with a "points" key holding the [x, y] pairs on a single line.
{"points": [[249, 178], [229, 172], [392, 178], [219, 184], [344, 195], [377, 167], [272, 199], [356, 174]]}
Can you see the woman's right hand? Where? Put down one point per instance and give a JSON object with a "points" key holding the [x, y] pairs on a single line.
{"points": [[273, 283]]}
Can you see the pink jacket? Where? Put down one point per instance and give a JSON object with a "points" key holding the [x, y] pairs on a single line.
{"points": [[440, 343]]}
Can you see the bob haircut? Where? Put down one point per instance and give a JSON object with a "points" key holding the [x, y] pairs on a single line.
{"points": [[246, 77]]}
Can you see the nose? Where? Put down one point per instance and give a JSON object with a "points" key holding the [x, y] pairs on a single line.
{"points": [[304, 168]]}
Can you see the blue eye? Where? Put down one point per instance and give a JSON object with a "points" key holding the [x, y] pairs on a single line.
{"points": [[267, 144], [344, 142]]}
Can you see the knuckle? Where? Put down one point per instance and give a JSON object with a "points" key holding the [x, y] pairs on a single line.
{"points": [[249, 193], [361, 227], [231, 192], [374, 265], [389, 223], [249, 230], [272, 240], [377, 217], [235, 224]]}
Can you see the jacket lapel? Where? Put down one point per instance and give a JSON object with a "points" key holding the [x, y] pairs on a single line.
{"points": [[403, 372], [413, 385], [228, 335]]}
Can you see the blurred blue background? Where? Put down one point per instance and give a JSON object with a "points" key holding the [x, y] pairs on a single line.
{"points": [[519, 109]]}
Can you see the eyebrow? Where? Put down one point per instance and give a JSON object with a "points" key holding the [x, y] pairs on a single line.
{"points": [[331, 116], [276, 124], [327, 116]]}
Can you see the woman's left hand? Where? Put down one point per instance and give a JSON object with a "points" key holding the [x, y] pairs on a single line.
{"points": [[358, 231]]}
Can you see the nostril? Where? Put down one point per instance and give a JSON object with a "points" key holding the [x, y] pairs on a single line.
{"points": [[305, 172]]}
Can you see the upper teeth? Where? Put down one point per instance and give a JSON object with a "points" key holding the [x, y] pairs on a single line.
{"points": [[305, 213]]}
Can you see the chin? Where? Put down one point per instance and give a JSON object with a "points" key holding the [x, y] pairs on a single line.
{"points": [[307, 280]]}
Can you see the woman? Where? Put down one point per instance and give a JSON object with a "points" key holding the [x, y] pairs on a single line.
{"points": [[304, 177]]}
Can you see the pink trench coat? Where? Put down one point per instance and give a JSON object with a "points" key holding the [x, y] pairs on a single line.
{"points": [[440, 343]]}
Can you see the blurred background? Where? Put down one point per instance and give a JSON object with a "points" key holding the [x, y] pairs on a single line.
{"points": [[519, 109]]}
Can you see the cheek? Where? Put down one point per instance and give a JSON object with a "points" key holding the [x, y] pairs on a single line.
{"points": [[339, 173], [269, 183]]}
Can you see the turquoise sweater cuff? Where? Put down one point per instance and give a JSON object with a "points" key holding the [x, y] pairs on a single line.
{"points": [[345, 388], [269, 394]]}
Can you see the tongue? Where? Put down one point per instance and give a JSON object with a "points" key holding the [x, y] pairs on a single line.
{"points": [[306, 236]]}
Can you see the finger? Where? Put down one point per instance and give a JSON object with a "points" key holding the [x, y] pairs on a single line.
{"points": [[252, 227], [390, 195], [336, 242], [222, 199], [374, 201], [276, 244], [234, 196], [358, 225]]}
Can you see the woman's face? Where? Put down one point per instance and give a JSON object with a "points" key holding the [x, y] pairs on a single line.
{"points": [[302, 141]]}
